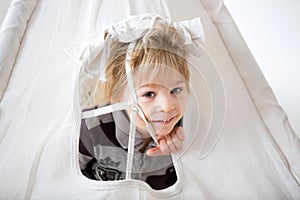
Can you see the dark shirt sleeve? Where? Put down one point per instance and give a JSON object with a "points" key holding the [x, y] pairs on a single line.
{"points": [[85, 140], [86, 154]]}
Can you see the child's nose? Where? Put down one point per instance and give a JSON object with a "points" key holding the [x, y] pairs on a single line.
{"points": [[166, 103]]}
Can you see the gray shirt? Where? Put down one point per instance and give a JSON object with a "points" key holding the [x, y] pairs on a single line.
{"points": [[103, 153]]}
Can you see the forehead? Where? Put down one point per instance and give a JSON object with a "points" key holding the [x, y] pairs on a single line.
{"points": [[160, 75]]}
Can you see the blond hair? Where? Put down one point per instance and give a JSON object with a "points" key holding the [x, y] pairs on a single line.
{"points": [[161, 46]]}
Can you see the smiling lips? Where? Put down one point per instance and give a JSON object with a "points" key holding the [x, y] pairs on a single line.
{"points": [[165, 122]]}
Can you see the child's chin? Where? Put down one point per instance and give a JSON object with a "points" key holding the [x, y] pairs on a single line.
{"points": [[163, 132]]}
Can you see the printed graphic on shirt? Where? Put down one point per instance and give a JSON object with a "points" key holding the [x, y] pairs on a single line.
{"points": [[105, 170]]}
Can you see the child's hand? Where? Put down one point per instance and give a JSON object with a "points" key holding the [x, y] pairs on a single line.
{"points": [[168, 144]]}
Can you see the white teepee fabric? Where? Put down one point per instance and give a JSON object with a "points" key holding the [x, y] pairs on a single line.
{"points": [[256, 156]]}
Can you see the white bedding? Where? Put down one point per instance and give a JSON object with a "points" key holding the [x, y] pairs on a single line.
{"points": [[256, 157]]}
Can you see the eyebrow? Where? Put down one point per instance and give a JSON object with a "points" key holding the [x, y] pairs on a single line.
{"points": [[180, 82], [148, 84]]}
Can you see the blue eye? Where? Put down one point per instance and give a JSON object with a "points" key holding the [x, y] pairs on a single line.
{"points": [[149, 95], [176, 90]]}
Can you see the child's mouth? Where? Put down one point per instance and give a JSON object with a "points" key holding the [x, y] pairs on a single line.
{"points": [[163, 122]]}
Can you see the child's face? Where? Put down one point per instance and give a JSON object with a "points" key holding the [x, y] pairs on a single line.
{"points": [[163, 101]]}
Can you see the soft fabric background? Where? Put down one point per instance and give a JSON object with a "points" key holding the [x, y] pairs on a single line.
{"points": [[272, 29], [256, 156]]}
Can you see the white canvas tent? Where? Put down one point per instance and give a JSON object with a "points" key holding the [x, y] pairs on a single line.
{"points": [[256, 156]]}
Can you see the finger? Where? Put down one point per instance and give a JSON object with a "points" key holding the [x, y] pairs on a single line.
{"points": [[170, 141], [155, 151], [178, 137], [160, 150], [176, 142], [175, 139], [179, 133], [163, 145]]}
